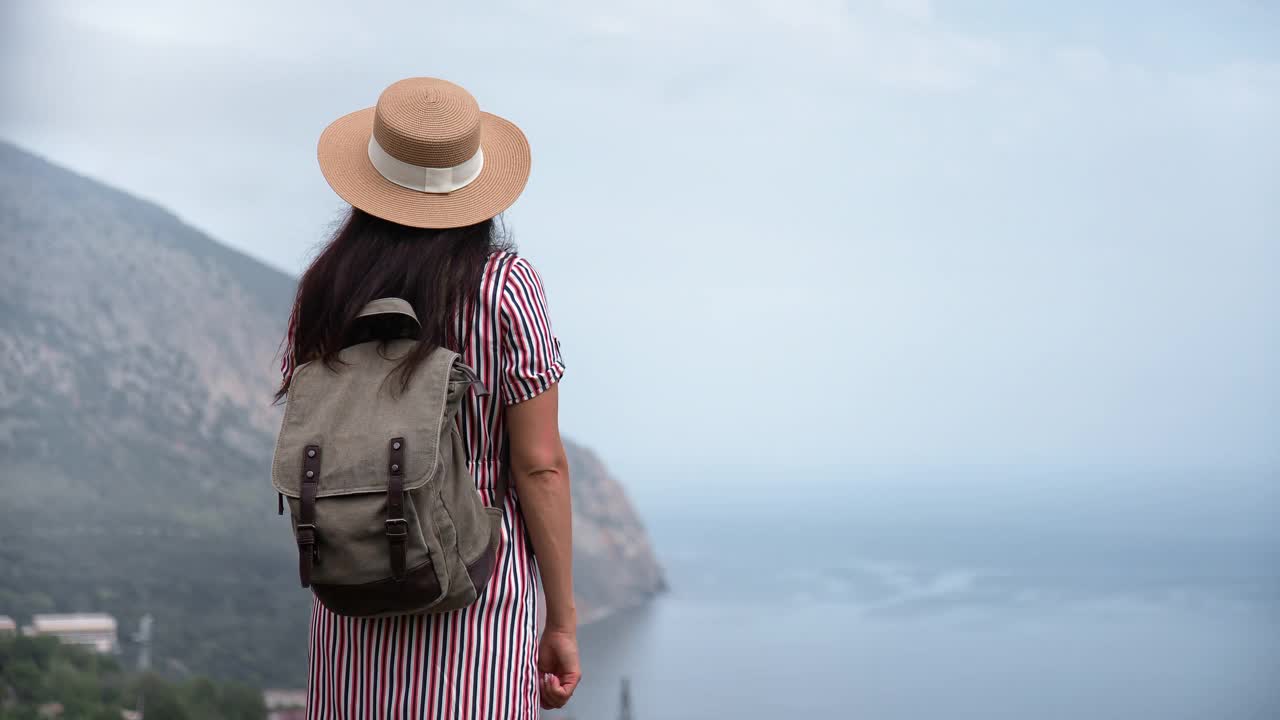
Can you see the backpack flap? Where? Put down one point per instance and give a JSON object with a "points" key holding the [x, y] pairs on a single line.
{"points": [[352, 411]]}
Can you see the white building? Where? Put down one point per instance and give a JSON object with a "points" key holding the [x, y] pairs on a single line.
{"points": [[7, 625], [282, 699], [95, 630], [285, 704]]}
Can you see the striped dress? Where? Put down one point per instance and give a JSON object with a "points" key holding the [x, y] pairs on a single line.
{"points": [[478, 663]]}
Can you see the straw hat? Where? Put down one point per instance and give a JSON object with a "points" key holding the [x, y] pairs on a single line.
{"points": [[425, 156]]}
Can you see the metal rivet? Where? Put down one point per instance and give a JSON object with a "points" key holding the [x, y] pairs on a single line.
{"points": [[311, 473], [395, 446], [395, 468], [311, 453]]}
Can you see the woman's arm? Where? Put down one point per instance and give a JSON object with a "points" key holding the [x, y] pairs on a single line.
{"points": [[540, 472]]}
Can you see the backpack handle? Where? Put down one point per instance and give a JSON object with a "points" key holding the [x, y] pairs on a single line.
{"points": [[384, 319], [390, 306]]}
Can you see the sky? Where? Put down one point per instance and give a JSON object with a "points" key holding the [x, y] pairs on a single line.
{"points": [[798, 236]]}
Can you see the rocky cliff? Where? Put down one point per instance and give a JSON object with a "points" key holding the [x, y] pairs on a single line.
{"points": [[136, 429], [614, 565]]}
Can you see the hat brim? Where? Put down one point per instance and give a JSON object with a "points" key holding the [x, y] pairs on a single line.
{"points": [[344, 160]]}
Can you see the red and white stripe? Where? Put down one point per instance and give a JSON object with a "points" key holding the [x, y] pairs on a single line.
{"points": [[481, 661]]}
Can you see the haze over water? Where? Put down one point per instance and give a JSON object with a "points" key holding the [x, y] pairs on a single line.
{"points": [[921, 603]]}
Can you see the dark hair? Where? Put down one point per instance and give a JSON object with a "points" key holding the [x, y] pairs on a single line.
{"points": [[436, 271]]}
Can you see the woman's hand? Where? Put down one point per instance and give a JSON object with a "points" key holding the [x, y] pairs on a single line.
{"points": [[558, 662]]}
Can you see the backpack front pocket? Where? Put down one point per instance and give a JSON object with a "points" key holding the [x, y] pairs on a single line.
{"points": [[351, 572]]}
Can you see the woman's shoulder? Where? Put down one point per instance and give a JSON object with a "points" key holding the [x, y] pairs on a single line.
{"points": [[511, 267]]}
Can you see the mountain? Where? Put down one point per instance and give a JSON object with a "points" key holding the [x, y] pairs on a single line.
{"points": [[136, 430]]}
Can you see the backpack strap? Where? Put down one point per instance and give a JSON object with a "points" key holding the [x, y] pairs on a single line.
{"points": [[504, 478], [504, 454], [305, 531], [397, 528]]}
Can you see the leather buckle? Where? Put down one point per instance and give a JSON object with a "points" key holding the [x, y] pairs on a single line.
{"points": [[307, 538], [402, 526]]}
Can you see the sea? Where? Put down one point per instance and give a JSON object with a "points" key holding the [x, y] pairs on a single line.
{"points": [[989, 595]]}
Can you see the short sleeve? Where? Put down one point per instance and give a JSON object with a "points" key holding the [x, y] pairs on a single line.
{"points": [[531, 361]]}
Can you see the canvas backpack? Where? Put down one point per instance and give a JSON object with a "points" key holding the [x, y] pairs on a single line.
{"points": [[386, 515]]}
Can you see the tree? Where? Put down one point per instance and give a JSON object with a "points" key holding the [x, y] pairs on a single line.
{"points": [[241, 702], [160, 700]]}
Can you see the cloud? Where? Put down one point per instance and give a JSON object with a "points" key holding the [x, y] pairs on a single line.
{"points": [[894, 43], [1082, 62], [918, 10]]}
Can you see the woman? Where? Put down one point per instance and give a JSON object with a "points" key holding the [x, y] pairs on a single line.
{"points": [[426, 174]]}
